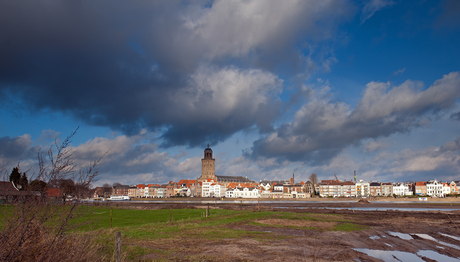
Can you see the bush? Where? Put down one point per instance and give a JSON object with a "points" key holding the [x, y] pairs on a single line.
{"points": [[36, 227]]}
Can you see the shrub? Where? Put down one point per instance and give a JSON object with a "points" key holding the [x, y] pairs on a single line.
{"points": [[38, 227]]}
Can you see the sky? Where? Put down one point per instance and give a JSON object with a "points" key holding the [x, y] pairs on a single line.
{"points": [[274, 87]]}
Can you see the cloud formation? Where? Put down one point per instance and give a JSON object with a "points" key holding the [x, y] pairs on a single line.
{"points": [[126, 159], [16, 148], [322, 127], [158, 65], [373, 6], [374, 146], [399, 72]]}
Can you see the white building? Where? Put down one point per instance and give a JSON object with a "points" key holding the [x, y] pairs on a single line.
{"points": [[161, 192], [401, 189], [205, 188], [246, 192], [434, 188], [336, 188], [265, 186], [230, 193], [211, 188], [217, 190], [362, 188]]}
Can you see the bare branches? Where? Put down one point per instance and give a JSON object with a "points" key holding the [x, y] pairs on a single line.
{"points": [[62, 165], [38, 225]]}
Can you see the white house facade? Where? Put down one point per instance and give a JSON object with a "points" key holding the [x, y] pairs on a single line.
{"points": [[434, 188], [246, 192], [401, 189]]}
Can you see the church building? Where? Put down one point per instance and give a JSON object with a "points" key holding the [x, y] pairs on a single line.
{"points": [[208, 171]]}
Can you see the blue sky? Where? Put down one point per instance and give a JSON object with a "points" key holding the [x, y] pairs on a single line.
{"points": [[274, 87]]}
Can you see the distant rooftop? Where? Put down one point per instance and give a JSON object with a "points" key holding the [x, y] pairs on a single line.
{"points": [[235, 179]]}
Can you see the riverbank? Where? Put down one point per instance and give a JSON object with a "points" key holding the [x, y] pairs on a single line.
{"points": [[312, 199]]}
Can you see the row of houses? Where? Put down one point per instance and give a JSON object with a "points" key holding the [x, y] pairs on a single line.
{"points": [[433, 188], [181, 188], [211, 188], [280, 189], [264, 189]]}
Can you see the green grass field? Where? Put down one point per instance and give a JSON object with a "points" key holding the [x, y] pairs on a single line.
{"points": [[142, 229]]}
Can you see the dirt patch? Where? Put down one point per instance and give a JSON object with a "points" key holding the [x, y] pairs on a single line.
{"points": [[296, 223], [279, 239]]}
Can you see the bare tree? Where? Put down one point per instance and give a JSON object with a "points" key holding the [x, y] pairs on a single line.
{"points": [[37, 227], [314, 180]]}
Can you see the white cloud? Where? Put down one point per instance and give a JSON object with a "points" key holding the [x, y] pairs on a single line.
{"points": [[323, 127], [373, 6], [372, 146], [99, 146], [406, 99], [237, 28], [189, 166], [399, 72], [220, 93], [428, 159]]}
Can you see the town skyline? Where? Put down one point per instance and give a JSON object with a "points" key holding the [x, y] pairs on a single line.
{"points": [[325, 87]]}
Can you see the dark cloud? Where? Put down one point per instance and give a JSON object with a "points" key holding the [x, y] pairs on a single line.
{"points": [[131, 65], [455, 116], [321, 129], [17, 148]]}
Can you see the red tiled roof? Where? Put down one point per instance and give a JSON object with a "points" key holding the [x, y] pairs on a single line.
{"points": [[187, 181], [234, 185], [54, 192], [336, 182], [6, 186]]}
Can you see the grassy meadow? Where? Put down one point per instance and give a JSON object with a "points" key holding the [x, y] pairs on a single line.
{"points": [[169, 234]]}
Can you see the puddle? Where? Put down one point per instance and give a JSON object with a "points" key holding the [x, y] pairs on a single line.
{"points": [[436, 256], [425, 236], [374, 237], [400, 235], [428, 237], [391, 255], [454, 237], [398, 256]]}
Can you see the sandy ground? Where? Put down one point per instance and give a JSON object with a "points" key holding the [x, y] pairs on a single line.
{"points": [[401, 235]]}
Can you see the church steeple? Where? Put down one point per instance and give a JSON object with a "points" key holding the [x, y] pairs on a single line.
{"points": [[208, 168], [208, 153]]}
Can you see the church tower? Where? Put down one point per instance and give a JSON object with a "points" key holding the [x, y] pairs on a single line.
{"points": [[208, 167]]}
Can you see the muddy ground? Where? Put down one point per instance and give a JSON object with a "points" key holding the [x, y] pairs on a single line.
{"points": [[390, 230]]}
